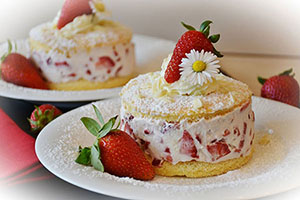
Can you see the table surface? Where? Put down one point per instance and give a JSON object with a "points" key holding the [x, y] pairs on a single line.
{"points": [[56, 188]]}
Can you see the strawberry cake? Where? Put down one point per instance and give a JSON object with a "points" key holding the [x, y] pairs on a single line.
{"points": [[83, 48], [189, 119]]}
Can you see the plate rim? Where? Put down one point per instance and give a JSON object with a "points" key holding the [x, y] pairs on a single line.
{"points": [[114, 194]]}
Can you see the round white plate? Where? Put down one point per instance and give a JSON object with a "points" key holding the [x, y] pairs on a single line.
{"points": [[274, 167], [150, 52]]}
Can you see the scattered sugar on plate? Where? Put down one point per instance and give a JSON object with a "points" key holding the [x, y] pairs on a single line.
{"points": [[269, 158]]}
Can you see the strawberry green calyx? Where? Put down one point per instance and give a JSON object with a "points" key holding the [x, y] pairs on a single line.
{"points": [[9, 51], [91, 156], [205, 29], [41, 119], [261, 80], [285, 73]]}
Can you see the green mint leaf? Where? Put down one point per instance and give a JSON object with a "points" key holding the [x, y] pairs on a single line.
{"points": [[261, 80], [91, 125], [84, 157], [113, 119], [188, 27], [204, 25], [287, 72], [214, 38], [107, 127], [95, 157], [98, 114], [118, 124]]}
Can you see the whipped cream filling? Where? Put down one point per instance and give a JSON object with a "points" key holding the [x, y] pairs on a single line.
{"points": [[99, 64], [218, 139]]}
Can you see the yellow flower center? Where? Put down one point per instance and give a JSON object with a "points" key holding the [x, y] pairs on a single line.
{"points": [[100, 7], [199, 66]]}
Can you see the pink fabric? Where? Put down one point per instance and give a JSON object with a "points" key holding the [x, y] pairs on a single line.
{"points": [[16, 147]]}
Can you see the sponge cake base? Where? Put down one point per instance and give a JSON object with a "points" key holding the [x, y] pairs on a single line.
{"points": [[194, 169]]}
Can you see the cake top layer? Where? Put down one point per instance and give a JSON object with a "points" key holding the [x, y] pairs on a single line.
{"points": [[85, 31], [189, 85], [223, 95]]}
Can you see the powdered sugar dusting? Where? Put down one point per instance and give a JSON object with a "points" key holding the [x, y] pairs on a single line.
{"points": [[52, 37], [271, 161], [138, 98]]}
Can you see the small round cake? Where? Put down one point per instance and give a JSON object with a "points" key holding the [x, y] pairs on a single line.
{"points": [[197, 126], [90, 52], [193, 136]]}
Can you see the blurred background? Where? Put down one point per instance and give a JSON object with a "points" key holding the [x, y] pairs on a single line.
{"points": [[260, 27], [261, 35]]}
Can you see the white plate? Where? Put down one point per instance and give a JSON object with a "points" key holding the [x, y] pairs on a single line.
{"points": [[150, 52], [274, 167]]}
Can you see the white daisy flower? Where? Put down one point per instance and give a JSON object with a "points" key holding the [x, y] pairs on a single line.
{"points": [[199, 67]]}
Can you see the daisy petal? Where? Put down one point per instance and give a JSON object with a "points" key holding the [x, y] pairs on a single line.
{"points": [[199, 78]]}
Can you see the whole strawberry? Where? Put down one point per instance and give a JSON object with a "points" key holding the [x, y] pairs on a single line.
{"points": [[114, 151], [17, 69], [42, 115], [121, 156], [192, 39], [282, 87]]}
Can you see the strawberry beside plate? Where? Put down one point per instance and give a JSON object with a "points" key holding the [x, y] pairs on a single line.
{"points": [[149, 53]]}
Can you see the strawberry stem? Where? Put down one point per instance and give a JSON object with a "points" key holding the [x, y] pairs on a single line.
{"points": [[205, 25], [287, 73], [9, 50], [214, 38], [206, 31], [188, 27], [217, 53], [261, 80]]}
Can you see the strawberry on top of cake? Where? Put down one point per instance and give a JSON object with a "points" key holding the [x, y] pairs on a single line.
{"points": [[83, 48], [188, 118]]}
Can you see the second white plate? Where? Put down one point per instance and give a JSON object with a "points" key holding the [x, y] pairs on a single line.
{"points": [[150, 52], [274, 167]]}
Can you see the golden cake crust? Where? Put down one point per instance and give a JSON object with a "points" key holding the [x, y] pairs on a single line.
{"points": [[225, 95], [83, 84]]}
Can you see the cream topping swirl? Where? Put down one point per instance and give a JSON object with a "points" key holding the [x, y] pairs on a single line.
{"points": [[181, 87], [85, 23]]}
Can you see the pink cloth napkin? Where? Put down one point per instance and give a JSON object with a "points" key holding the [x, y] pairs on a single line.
{"points": [[17, 152]]}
